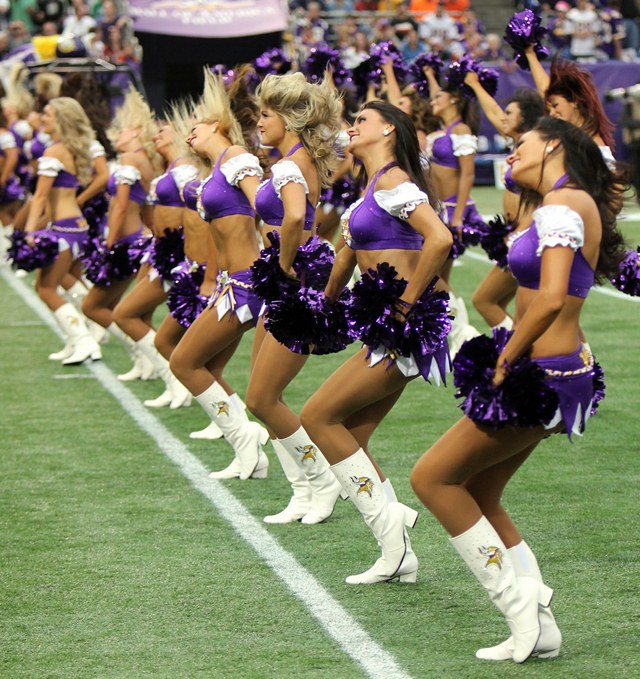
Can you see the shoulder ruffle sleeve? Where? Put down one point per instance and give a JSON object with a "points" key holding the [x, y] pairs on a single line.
{"points": [[127, 174], [558, 225], [402, 200], [237, 168], [464, 144], [49, 167], [284, 172]]}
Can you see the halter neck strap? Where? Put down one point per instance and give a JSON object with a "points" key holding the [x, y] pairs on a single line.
{"points": [[220, 157], [559, 184], [453, 124], [381, 171], [294, 149]]}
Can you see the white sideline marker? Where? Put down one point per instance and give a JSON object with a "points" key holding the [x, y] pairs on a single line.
{"points": [[332, 617]]}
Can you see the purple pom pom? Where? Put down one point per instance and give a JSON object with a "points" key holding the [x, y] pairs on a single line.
{"points": [[524, 29], [373, 320], [273, 61], [599, 386], [95, 212], [312, 264], [416, 69], [320, 57], [224, 72], [457, 70], [184, 299], [306, 322], [167, 252], [31, 257], [13, 190], [493, 240], [524, 399], [627, 279]]}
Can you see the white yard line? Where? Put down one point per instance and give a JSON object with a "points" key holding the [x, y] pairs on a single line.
{"points": [[331, 616]]}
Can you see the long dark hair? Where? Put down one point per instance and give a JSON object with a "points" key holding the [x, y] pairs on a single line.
{"points": [[531, 107], [467, 108], [588, 171], [575, 85], [407, 148]]}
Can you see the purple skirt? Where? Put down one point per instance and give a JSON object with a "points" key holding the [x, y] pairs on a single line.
{"points": [[473, 226], [433, 367], [571, 376], [234, 295], [72, 233]]}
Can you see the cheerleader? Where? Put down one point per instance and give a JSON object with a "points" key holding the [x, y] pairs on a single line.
{"points": [[132, 132], [451, 156], [11, 193], [520, 114], [572, 243], [225, 201], [63, 167], [302, 121], [173, 239], [570, 94], [392, 228]]}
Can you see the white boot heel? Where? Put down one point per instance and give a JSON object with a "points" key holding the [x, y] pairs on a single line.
{"points": [[410, 516], [85, 348], [234, 470]]}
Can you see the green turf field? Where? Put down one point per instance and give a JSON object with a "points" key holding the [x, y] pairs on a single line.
{"points": [[119, 558]]}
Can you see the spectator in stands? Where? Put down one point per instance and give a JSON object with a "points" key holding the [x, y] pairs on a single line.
{"points": [[118, 49], [584, 27], [4, 15], [403, 22], [631, 18], [49, 11], [611, 30], [357, 51], [18, 34], [438, 29], [109, 18], [79, 22], [558, 27], [319, 26], [412, 46], [469, 21], [383, 32], [23, 11], [494, 51]]}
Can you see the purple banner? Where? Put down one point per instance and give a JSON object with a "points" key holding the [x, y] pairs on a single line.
{"points": [[209, 18]]}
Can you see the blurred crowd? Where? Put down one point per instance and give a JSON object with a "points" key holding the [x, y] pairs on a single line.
{"points": [[584, 30], [101, 28]]}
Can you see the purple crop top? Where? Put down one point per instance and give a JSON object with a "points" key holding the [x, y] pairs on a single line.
{"points": [[219, 195], [52, 167], [168, 188], [130, 175], [268, 200], [378, 220], [553, 225], [445, 148]]}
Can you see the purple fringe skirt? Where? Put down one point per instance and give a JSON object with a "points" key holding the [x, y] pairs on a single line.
{"points": [[571, 376], [72, 233], [234, 295]]}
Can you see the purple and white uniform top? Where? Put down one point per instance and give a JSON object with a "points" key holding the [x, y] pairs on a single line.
{"points": [[444, 148], [168, 188], [130, 176], [269, 195], [7, 141], [220, 194]]}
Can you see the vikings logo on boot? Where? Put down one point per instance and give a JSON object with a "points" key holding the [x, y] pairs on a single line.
{"points": [[308, 452], [493, 556], [364, 483], [222, 407]]}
